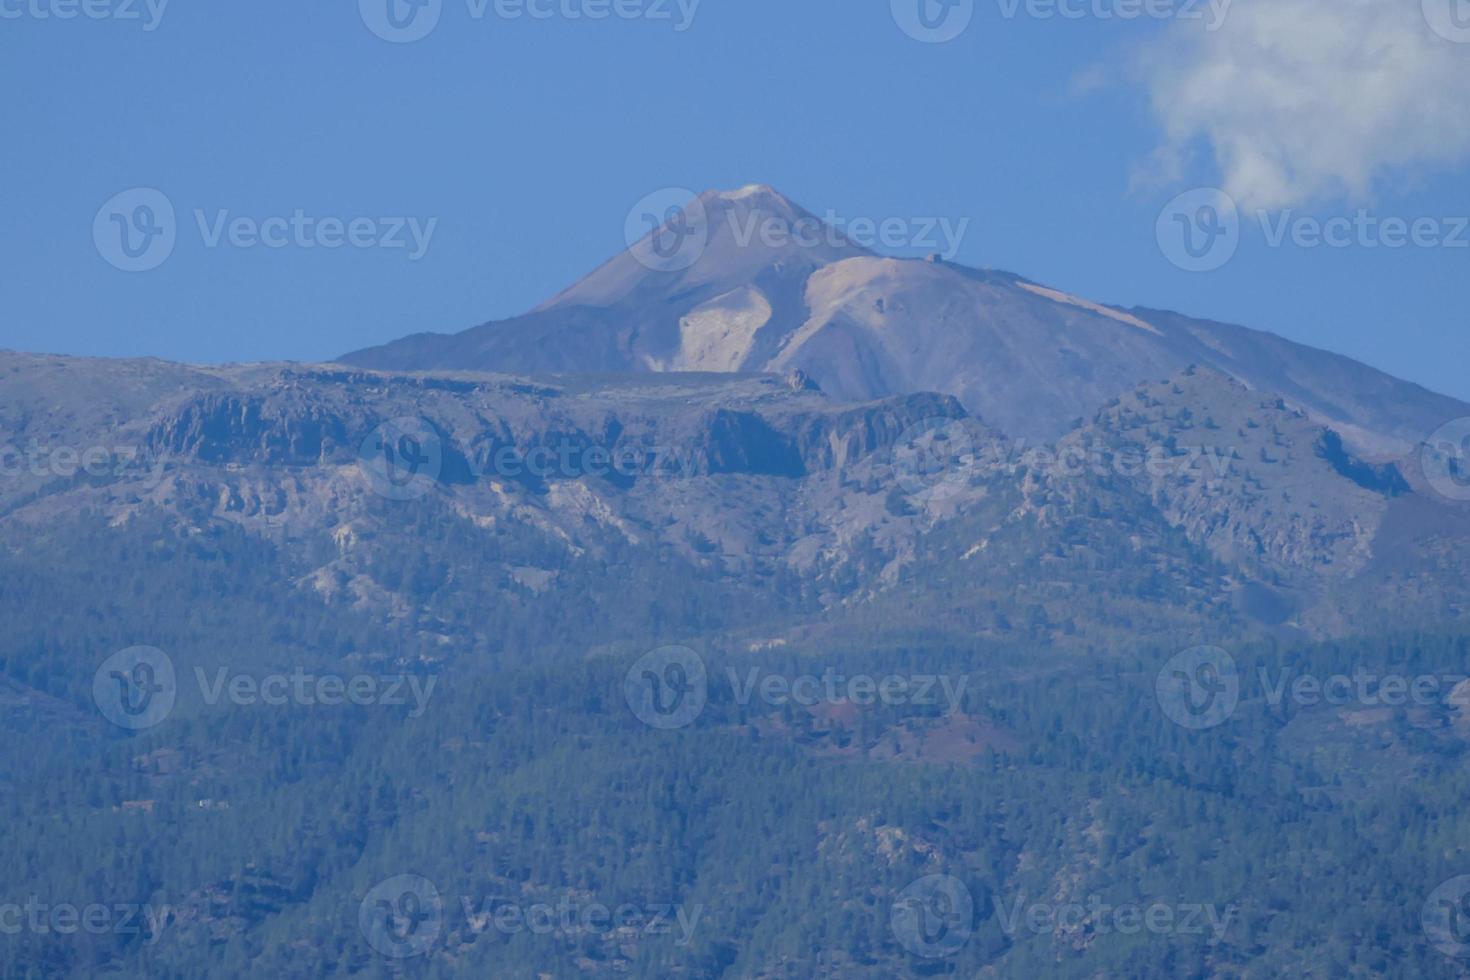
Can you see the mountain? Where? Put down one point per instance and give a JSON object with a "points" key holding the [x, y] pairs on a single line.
{"points": [[811, 509], [758, 284], [739, 295], [507, 551]]}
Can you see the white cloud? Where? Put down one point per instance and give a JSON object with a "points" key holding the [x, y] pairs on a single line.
{"points": [[1310, 100]]}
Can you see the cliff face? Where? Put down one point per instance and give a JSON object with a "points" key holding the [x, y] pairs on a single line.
{"points": [[749, 427], [233, 428], [1211, 488]]}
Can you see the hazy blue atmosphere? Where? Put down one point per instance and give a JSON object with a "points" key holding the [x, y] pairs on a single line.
{"points": [[528, 140], [735, 489]]}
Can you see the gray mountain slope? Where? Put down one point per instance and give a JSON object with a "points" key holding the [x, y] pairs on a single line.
{"points": [[752, 484], [1029, 359]]}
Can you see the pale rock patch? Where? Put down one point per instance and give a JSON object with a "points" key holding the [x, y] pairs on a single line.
{"points": [[718, 336], [1057, 296]]}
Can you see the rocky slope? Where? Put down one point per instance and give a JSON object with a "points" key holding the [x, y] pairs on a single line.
{"points": [[1188, 501], [763, 292]]}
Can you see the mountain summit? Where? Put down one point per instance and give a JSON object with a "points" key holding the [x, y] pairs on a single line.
{"points": [[746, 281], [719, 241]]}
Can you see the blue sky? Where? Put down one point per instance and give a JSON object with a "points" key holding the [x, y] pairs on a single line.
{"points": [[526, 141]]}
